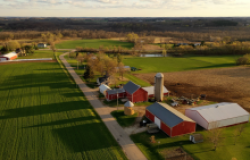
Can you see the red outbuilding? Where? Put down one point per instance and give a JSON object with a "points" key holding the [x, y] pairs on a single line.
{"points": [[112, 94], [169, 120], [135, 93], [8, 56]]}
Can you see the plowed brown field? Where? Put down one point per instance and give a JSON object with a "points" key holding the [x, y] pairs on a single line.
{"points": [[221, 85]]}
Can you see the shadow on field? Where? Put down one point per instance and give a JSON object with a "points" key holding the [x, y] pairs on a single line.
{"points": [[44, 109], [214, 66], [65, 121], [85, 137]]}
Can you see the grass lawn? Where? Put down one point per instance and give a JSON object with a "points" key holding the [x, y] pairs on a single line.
{"points": [[173, 64], [43, 116], [39, 54], [204, 151], [122, 119], [92, 43]]}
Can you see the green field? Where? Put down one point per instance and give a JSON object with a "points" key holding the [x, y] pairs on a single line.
{"points": [[173, 64], [43, 116], [203, 151], [92, 43], [122, 119], [39, 54]]}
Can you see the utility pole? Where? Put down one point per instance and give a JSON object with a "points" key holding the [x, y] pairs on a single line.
{"points": [[117, 99]]}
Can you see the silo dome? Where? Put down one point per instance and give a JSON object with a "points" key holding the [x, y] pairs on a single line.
{"points": [[129, 104], [159, 75]]}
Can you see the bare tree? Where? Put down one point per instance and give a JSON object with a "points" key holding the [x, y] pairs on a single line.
{"points": [[215, 135], [238, 132], [121, 70]]}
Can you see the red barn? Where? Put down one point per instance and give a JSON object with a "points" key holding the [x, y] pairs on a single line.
{"points": [[112, 94], [135, 93], [169, 120], [151, 91]]}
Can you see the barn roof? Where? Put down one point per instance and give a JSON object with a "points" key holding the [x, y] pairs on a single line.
{"points": [[167, 114], [131, 87], [115, 91], [220, 111], [103, 88], [150, 89]]}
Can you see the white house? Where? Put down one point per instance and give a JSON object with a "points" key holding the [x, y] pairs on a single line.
{"points": [[42, 45], [218, 115]]}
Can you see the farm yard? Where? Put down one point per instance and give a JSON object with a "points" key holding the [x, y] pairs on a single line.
{"points": [[93, 43], [223, 84], [173, 64], [39, 54], [204, 151], [43, 116]]}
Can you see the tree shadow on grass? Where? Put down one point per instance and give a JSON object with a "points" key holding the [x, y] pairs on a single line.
{"points": [[45, 109], [87, 137], [213, 66], [65, 121]]}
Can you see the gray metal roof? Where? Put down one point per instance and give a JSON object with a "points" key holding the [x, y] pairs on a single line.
{"points": [[114, 91], [131, 87], [167, 114], [151, 89]]}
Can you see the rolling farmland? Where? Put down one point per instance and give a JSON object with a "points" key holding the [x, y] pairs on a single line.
{"points": [[43, 116], [92, 43]]}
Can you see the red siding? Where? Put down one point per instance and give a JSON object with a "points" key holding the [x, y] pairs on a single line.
{"points": [[183, 128], [140, 96], [166, 129], [114, 96], [150, 116], [129, 96]]}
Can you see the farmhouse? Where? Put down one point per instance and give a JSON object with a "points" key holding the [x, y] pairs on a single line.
{"points": [[151, 91], [218, 115], [42, 45], [169, 120], [103, 89], [8, 56], [135, 93], [112, 94]]}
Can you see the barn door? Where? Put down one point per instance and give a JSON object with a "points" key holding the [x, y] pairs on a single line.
{"points": [[158, 122]]}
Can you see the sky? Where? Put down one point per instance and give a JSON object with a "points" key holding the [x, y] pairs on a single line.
{"points": [[125, 8]]}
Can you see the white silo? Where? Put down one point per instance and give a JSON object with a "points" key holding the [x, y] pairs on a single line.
{"points": [[159, 82]]}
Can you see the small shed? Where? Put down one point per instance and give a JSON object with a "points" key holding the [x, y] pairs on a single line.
{"points": [[218, 115], [8, 56], [112, 94], [151, 91], [41, 45], [169, 120], [135, 93], [103, 89], [103, 80], [196, 138], [128, 108]]}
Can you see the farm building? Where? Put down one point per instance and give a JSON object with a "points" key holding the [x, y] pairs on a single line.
{"points": [[218, 115], [169, 120], [112, 94], [103, 80], [103, 88], [151, 91], [8, 56], [135, 93], [41, 45]]}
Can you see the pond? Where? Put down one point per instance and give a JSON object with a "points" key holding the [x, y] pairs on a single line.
{"points": [[151, 55]]}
